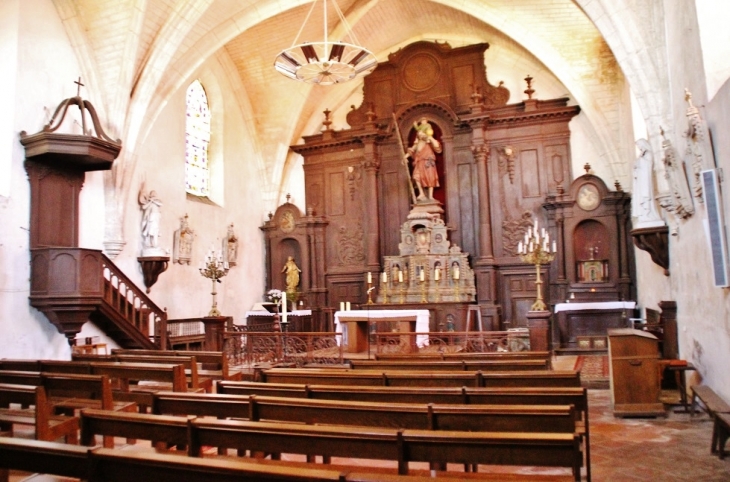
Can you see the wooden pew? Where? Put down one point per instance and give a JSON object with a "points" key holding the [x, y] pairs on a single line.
{"points": [[128, 376], [43, 457], [108, 465], [575, 396], [214, 364], [21, 365], [403, 378], [486, 418], [401, 446], [195, 382], [48, 426], [450, 365], [493, 355]]}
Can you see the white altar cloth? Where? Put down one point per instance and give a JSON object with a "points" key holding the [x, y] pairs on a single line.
{"points": [[422, 320], [290, 313], [598, 305]]}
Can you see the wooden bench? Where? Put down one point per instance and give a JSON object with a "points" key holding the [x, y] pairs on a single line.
{"points": [[575, 396], [450, 365], [195, 382], [714, 406], [541, 378], [486, 418], [48, 426], [462, 355], [401, 446], [214, 364], [127, 377], [108, 465]]}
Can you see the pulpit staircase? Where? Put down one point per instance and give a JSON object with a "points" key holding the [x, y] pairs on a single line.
{"points": [[74, 285]]}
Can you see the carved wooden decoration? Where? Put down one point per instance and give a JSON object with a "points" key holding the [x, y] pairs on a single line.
{"points": [[497, 163], [679, 200]]}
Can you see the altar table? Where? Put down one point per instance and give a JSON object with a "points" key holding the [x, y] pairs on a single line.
{"points": [[357, 322], [590, 320]]}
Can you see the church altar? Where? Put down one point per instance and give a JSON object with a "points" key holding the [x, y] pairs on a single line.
{"points": [[299, 320], [585, 325], [354, 337]]}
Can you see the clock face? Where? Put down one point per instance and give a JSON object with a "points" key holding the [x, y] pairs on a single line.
{"points": [[588, 197], [286, 221]]}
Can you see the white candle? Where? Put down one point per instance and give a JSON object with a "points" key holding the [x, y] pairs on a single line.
{"points": [[542, 232], [437, 274], [347, 306], [519, 247], [370, 278], [535, 226], [555, 247], [423, 274], [400, 276], [342, 306], [385, 276], [283, 307], [456, 272], [529, 233]]}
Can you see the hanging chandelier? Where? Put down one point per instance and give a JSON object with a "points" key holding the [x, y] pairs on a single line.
{"points": [[325, 62]]}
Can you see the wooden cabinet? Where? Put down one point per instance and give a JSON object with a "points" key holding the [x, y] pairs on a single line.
{"points": [[633, 362]]}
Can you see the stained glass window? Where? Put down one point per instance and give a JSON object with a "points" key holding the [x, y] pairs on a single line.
{"points": [[197, 138]]}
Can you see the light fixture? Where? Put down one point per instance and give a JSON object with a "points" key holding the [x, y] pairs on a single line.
{"points": [[325, 62]]}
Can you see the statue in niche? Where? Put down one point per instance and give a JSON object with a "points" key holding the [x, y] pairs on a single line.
{"points": [[642, 200], [292, 275], [150, 227], [231, 246], [423, 152], [183, 243]]}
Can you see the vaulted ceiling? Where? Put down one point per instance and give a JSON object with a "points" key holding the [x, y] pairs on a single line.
{"points": [[137, 53]]}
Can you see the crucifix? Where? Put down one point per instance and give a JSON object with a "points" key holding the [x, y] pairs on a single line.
{"points": [[78, 88]]}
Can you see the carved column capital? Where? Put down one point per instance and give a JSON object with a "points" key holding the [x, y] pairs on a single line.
{"points": [[481, 152]]}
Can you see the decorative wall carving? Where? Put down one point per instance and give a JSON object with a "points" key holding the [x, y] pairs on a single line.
{"points": [[698, 152], [680, 197], [183, 242], [506, 161], [353, 175], [350, 244], [230, 245], [513, 230]]}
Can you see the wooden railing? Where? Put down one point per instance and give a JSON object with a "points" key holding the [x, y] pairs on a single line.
{"points": [[133, 305], [246, 348]]}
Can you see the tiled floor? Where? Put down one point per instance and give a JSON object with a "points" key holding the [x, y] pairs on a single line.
{"points": [[671, 449]]}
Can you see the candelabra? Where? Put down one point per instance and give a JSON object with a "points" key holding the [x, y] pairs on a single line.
{"points": [[536, 250], [214, 269]]}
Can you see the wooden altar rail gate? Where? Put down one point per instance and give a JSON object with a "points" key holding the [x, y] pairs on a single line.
{"points": [[399, 343], [247, 348]]}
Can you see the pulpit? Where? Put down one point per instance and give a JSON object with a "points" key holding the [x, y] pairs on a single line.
{"points": [[633, 362]]}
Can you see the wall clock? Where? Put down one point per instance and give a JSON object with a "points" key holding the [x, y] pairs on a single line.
{"points": [[588, 197]]}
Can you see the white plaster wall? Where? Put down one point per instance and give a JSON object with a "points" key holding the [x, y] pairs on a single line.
{"points": [[43, 75], [704, 334], [181, 289]]}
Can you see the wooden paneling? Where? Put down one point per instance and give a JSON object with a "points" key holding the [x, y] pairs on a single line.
{"points": [[530, 173]]}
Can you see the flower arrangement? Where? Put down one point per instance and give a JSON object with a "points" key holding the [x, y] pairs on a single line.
{"points": [[275, 296]]}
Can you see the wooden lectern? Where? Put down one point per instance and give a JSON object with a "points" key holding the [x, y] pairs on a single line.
{"points": [[634, 358]]}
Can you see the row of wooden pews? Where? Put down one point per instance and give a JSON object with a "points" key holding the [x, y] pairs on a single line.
{"points": [[527, 417]]}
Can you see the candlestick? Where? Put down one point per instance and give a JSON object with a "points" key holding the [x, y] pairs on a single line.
{"points": [[424, 298], [283, 308], [385, 276], [538, 254], [400, 276], [370, 278], [384, 285], [437, 274], [214, 269]]}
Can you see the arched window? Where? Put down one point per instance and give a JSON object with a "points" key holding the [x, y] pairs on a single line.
{"points": [[197, 138]]}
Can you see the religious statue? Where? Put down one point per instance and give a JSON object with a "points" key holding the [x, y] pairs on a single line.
{"points": [[231, 246], [183, 243], [423, 152], [292, 275], [150, 227], [642, 200]]}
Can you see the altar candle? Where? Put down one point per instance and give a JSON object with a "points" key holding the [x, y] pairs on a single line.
{"points": [[385, 276], [519, 247], [283, 307], [437, 274], [456, 272], [342, 306], [423, 274], [535, 226], [542, 232], [347, 306], [370, 278], [555, 247], [400, 276]]}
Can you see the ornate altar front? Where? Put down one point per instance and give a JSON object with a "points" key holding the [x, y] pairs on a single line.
{"points": [[584, 326]]}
